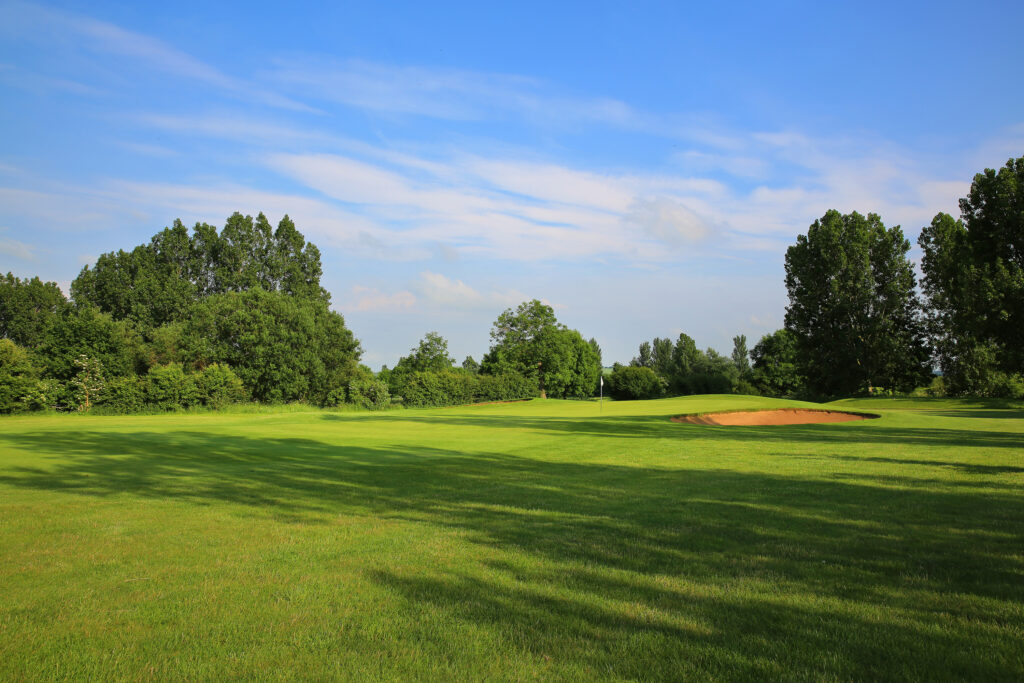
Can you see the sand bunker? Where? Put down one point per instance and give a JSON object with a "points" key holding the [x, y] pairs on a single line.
{"points": [[791, 416]]}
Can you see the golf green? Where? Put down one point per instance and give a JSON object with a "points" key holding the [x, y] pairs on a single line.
{"points": [[545, 539]]}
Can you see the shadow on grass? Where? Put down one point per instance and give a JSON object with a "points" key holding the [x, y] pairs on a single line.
{"points": [[629, 571], [661, 427]]}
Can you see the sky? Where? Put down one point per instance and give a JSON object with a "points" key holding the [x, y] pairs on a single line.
{"points": [[641, 167]]}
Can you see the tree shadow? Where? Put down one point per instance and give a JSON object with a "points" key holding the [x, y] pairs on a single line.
{"points": [[661, 427], [601, 559]]}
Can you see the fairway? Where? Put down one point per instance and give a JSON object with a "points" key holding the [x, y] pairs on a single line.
{"points": [[537, 540]]}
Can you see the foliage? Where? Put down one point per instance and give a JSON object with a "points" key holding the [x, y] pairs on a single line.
{"points": [[159, 282], [774, 371], [506, 386], [284, 348], [529, 341], [369, 393], [853, 309], [18, 378], [124, 395], [740, 355], [974, 282], [27, 307], [218, 386], [470, 365], [431, 355], [88, 332], [88, 381], [628, 382], [438, 388], [167, 387]]}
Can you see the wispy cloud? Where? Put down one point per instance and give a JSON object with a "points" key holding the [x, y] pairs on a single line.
{"points": [[17, 249], [25, 21]]}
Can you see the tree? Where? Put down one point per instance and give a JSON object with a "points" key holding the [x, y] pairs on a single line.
{"points": [[629, 382], [157, 283], [740, 355], [470, 365], [685, 361], [774, 371], [974, 281], [284, 348], [853, 309], [88, 381], [27, 307], [644, 358], [431, 355], [530, 341]]}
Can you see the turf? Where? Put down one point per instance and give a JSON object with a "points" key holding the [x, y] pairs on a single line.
{"points": [[548, 540]]}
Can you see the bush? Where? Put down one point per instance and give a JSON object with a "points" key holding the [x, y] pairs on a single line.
{"points": [[167, 387], [369, 393], [218, 385], [17, 378], [629, 382], [508, 386], [443, 388], [123, 395]]}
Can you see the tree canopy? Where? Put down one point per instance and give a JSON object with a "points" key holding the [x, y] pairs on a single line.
{"points": [[853, 310]]}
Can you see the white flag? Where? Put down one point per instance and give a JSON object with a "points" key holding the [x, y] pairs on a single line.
{"points": [[602, 380]]}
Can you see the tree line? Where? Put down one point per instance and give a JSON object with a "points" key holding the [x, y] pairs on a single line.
{"points": [[209, 317], [857, 322]]}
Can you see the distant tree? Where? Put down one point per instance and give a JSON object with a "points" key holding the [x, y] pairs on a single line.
{"points": [[644, 358], [853, 308], [114, 344], [158, 282], [529, 341], [774, 371], [18, 378], [662, 351], [740, 355], [686, 358], [431, 355], [471, 365], [974, 282], [629, 382], [27, 307]]}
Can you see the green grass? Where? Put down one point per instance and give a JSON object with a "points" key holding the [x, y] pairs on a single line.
{"points": [[547, 540]]}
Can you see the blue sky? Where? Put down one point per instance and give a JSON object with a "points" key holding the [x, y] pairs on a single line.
{"points": [[642, 167]]}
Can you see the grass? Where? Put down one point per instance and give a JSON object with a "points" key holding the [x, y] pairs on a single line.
{"points": [[547, 540]]}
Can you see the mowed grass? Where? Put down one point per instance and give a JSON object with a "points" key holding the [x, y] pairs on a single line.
{"points": [[540, 540]]}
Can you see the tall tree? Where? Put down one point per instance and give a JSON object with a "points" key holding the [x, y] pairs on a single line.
{"points": [[740, 355], [974, 280], [853, 308], [774, 371]]}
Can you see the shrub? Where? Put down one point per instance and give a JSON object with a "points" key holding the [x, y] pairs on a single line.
{"points": [[218, 385], [169, 388], [443, 388], [507, 386], [17, 378], [369, 393], [123, 395], [629, 382]]}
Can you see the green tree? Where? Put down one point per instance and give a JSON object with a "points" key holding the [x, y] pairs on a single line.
{"points": [[431, 355], [18, 378], [632, 382], [853, 308], [740, 355], [284, 348], [774, 371], [644, 358], [27, 307], [974, 282], [88, 332], [529, 341], [470, 365]]}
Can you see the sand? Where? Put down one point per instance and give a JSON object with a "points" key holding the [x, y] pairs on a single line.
{"points": [[792, 416]]}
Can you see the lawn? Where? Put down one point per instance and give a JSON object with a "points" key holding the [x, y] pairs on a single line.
{"points": [[539, 540]]}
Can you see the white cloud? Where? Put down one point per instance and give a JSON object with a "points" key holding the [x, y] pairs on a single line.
{"points": [[667, 220], [16, 249], [372, 299], [443, 291]]}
